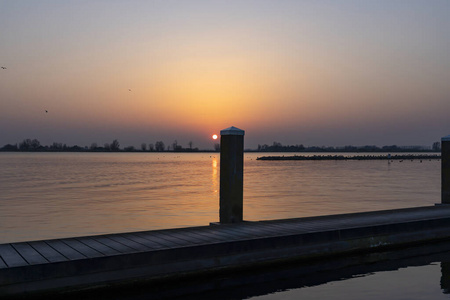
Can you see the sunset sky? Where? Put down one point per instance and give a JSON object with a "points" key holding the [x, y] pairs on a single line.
{"points": [[318, 73]]}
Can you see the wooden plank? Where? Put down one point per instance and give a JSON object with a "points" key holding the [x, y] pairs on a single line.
{"points": [[205, 238], [218, 235], [65, 250], [252, 230], [152, 236], [132, 244], [271, 230], [11, 257], [278, 229], [146, 242], [29, 253], [187, 237], [304, 228], [247, 231], [82, 248], [262, 230], [161, 238], [293, 228], [2, 264], [113, 244], [102, 248], [312, 220], [226, 230], [48, 252], [228, 235], [176, 240]]}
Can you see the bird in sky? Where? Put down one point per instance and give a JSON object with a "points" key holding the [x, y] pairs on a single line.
{"points": [[4, 68], [46, 111], [129, 90]]}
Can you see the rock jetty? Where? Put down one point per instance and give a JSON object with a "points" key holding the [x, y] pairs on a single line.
{"points": [[353, 157]]}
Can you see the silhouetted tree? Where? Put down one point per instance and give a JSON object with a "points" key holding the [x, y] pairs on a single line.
{"points": [[129, 149], [93, 146], [175, 145], [35, 144], [29, 145], [144, 147], [76, 148], [115, 146], [25, 144], [107, 146], [56, 146], [9, 147], [159, 146], [151, 147], [190, 145], [264, 147], [277, 146]]}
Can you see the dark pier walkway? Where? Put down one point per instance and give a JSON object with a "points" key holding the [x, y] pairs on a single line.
{"points": [[73, 263]]}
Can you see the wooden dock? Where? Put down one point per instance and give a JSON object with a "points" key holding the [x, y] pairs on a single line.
{"points": [[75, 263]]}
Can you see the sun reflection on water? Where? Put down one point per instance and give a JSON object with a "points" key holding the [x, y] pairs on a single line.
{"points": [[214, 176]]}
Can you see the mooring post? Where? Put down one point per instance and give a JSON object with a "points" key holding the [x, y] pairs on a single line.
{"points": [[231, 175], [445, 170]]}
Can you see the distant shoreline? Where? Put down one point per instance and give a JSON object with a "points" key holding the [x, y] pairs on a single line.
{"points": [[84, 150], [355, 157]]}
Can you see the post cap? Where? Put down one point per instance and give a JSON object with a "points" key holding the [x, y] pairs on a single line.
{"points": [[445, 138], [232, 131]]}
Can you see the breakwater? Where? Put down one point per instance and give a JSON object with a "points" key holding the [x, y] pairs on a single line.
{"points": [[354, 157]]}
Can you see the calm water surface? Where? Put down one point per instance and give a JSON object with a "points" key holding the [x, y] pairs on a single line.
{"points": [[51, 195], [415, 273]]}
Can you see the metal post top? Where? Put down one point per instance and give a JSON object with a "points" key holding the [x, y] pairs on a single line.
{"points": [[232, 131], [445, 138]]}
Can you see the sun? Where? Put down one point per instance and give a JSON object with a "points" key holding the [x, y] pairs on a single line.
{"points": [[214, 136]]}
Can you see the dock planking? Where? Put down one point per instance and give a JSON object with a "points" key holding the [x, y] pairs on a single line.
{"points": [[111, 243], [48, 252], [66, 250], [11, 257], [108, 259], [30, 254], [84, 249], [105, 250]]}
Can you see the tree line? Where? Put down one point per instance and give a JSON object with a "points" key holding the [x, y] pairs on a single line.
{"points": [[160, 146], [114, 146]]}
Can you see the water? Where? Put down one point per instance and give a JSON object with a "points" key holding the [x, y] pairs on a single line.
{"points": [[405, 283], [400, 274], [415, 273], [52, 195]]}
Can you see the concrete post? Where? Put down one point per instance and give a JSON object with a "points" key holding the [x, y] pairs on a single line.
{"points": [[231, 175], [445, 170]]}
